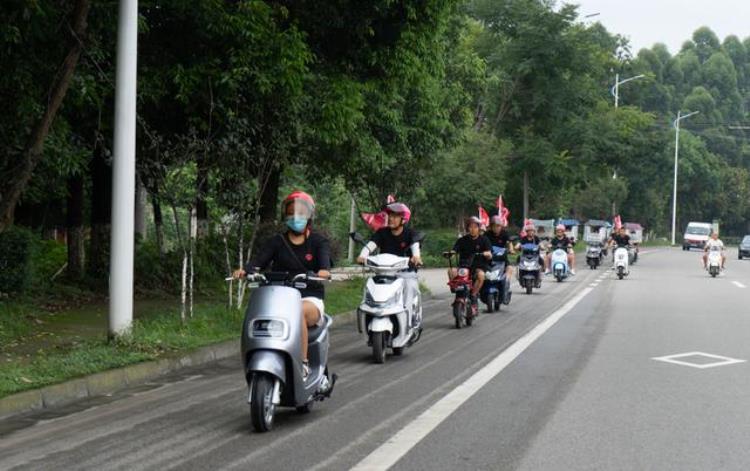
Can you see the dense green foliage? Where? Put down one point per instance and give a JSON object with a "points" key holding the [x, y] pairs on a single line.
{"points": [[446, 103]]}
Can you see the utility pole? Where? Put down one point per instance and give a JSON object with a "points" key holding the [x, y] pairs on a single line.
{"points": [[123, 173], [676, 125]]}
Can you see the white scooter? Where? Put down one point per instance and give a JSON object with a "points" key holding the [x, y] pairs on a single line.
{"points": [[385, 315], [559, 262], [622, 262], [714, 261]]}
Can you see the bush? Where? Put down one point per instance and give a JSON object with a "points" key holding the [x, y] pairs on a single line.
{"points": [[16, 252]]}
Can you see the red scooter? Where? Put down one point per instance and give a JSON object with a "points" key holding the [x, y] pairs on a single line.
{"points": [[464, 311]]}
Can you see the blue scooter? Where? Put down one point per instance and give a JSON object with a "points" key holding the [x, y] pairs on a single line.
{"points": [[496, 288]]}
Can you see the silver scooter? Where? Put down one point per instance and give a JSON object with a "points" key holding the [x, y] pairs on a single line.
{"points": [[271, 338]]}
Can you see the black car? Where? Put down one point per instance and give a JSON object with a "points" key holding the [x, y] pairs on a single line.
{"points": [[744, 249]]}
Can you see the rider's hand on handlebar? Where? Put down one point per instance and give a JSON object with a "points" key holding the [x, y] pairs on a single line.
{"points": [[361, 260], [240, 273], [487, 254], [324, 274], [416, 261]]}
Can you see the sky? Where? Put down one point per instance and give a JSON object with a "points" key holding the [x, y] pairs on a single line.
{"points": [[671, 22]]}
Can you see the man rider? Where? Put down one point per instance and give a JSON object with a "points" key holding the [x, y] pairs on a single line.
{"points": [[398, 239], [563, 242], [467, 246], [499, 237], [298, 250], [620, 238], [714, 241]]}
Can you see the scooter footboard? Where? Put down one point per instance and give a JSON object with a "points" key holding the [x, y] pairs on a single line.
{"points": [[269, 361]]}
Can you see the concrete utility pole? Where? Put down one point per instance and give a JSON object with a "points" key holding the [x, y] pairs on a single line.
{"points": [[123, 173], [352, 228], [616, 87], [676, 124]]}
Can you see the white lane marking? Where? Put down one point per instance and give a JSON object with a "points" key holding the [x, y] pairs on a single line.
{"points": [[738, 284], [388, 454], [723, 361], [593, 285]]}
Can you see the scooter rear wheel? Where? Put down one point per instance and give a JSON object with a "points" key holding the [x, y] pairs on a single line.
{"points": [[398, 351], [379, 347], [620, 272], [529, 288], [457, 314], [306, 409], [262, 408]]}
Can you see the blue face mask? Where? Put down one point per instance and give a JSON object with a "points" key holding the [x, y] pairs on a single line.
{"points": [[296, 223]]}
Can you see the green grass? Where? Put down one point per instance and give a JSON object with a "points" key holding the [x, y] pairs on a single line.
{"points": [[33, 355]]}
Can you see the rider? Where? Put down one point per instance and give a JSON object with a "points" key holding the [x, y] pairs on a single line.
{"points": [[466, 247], [620, 238], [563, 242], [499, 237], [529, 237], [398, 239], [298, 250], [714, 241]]}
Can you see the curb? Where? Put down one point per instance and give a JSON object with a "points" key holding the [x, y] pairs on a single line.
{"points": [[110, 381]]}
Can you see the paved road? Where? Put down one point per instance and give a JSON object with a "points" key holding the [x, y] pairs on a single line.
{"points": [[583, 392]]}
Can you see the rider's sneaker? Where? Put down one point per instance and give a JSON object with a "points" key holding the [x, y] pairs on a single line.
{"points": [[305, 370], [547, 273], [572, 272]]}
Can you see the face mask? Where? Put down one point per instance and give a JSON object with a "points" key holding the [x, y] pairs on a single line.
{"points": [[296, 223]]}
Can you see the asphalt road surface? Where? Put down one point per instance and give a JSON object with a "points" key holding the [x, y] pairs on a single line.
{"points": [[571, 377]]}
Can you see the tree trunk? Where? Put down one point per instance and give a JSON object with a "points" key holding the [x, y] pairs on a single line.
{"points": [[141, 199], [158, 223], [201, 203], [32, 153], [269, 197], [74, 226], [101, 220], [525, 195]]}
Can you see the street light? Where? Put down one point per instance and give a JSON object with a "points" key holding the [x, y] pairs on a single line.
{"points": [[676, 125], [618, 82]]}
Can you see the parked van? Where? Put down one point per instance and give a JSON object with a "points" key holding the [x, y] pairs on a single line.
{"points": [[696, 235]]}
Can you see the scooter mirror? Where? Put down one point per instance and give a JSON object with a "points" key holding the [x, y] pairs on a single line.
{"points": [[418, 236], [356, 237]]}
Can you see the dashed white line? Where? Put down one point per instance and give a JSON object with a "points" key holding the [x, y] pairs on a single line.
{"points": [[388, 454], [738, 284]]}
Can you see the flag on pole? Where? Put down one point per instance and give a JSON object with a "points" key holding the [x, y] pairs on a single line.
{"points": [[502, 211], [484, 217], [618, 222], [391, 199]]}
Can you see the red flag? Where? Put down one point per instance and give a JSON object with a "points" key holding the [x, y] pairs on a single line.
{"points": [[502, 211], [484, 217], [618, 222], [390, 199], [375, 221], [526, 223]]}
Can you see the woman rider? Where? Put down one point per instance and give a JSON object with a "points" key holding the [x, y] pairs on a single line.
{"points": [[298, 250]]}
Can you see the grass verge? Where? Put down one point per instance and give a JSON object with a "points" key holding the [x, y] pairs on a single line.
{"points": [[154, 336]]}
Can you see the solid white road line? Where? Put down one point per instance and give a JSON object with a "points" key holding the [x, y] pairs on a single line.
{"points": [[408, 437], [738, 284]]}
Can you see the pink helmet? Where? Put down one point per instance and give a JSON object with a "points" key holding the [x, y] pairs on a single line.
{"points": [[497, 220], [529, 227], [472, 220], [560, 227], [399, 208]]}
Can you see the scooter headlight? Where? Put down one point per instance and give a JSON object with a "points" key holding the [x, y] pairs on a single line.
{"points": [[269, 328]]}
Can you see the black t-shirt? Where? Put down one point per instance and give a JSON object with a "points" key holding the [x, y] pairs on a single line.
{"points": [[399, 245], [312, 255], [529, 240], [621, 240], [498, 240], [565, 243], [467, 246]]}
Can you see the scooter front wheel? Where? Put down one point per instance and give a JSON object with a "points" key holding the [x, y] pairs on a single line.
{"points": [[529, 288], [457, 314], [379, 347], [262, 408]]}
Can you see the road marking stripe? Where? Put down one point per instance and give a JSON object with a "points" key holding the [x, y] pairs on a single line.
{"points": [[594, 285], [388, 454], [738, 284]]}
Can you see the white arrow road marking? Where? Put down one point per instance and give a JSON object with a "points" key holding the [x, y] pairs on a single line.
{"points": [[408, 437], [738, 284]]}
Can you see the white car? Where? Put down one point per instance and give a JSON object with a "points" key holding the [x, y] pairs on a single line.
{"points": [[696, 235]]}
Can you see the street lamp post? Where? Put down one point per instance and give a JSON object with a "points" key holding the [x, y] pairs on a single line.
{"points": [[676, 125], [123, 173], [618, 82]]}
